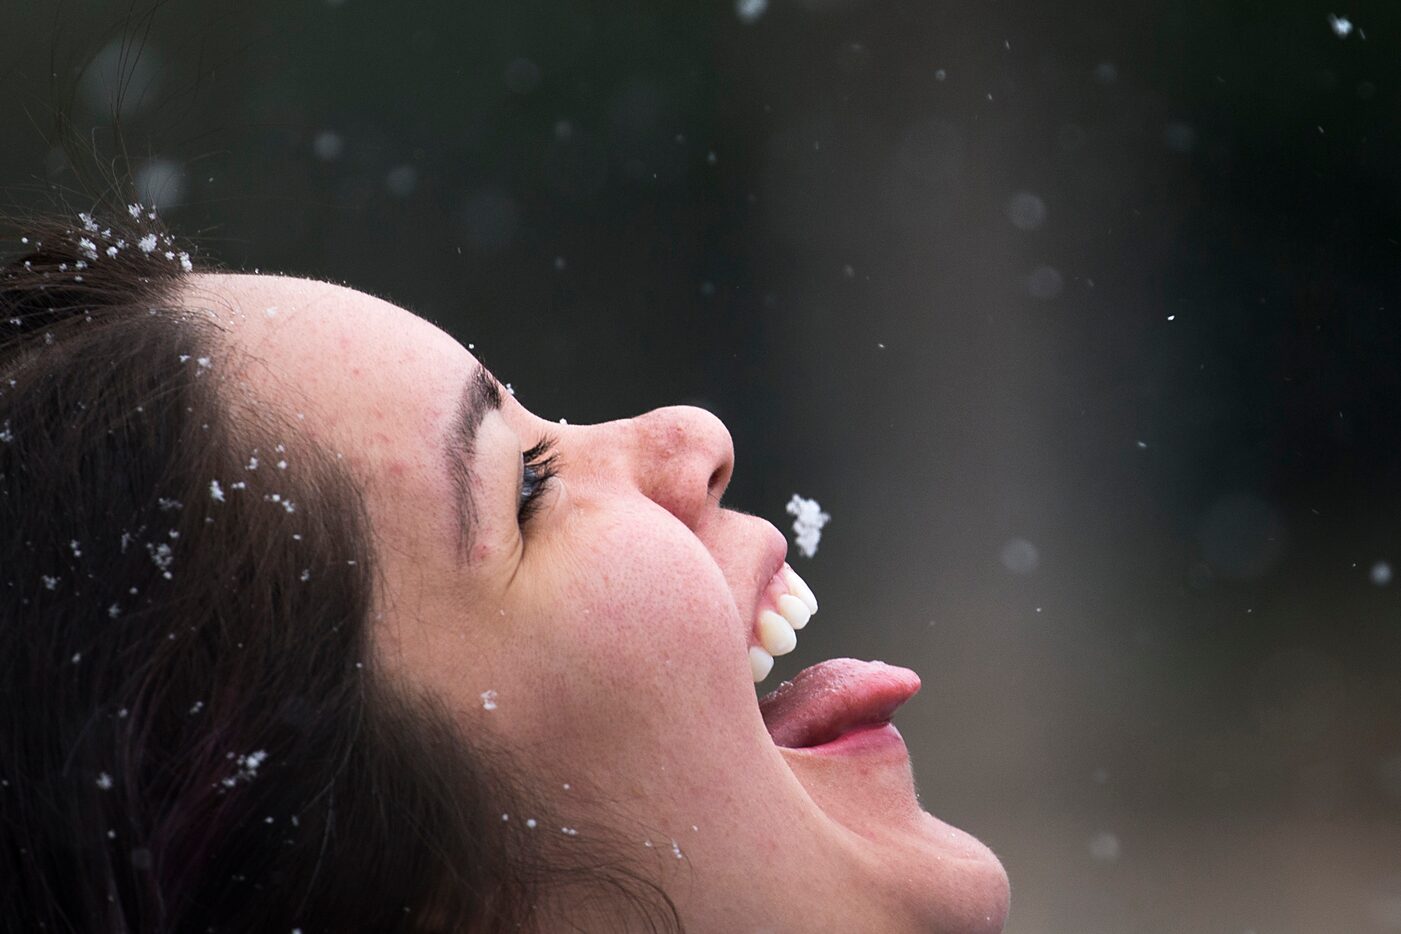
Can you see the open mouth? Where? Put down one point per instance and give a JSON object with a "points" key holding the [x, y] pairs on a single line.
{"points": [[832, 699]]}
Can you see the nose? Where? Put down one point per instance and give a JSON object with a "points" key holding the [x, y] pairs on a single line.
{"points": [[684, 458]]}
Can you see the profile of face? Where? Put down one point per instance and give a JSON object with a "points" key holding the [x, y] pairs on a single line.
{"points": [[603, 639]]}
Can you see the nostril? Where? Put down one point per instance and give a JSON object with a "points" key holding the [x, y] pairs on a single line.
{"points": [[716, 486]]}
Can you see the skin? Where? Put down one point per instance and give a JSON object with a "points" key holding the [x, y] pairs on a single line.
{"points": [[613, 628]]}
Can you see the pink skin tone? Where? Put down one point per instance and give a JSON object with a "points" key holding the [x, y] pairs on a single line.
{"points": [[613, 628]]}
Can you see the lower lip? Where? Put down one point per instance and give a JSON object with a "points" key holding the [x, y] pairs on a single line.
{"points": [[877, 737]]}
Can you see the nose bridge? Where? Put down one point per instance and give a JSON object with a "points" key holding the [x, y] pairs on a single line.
{"points": [[682, 457]]}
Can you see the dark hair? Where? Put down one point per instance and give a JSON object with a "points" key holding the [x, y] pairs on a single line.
{"points": [[193, 735]]}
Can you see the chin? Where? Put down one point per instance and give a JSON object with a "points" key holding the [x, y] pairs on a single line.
{"points": [[961, 889]]}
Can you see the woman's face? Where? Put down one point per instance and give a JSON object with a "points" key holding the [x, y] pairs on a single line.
{"points": [[613, 626]]}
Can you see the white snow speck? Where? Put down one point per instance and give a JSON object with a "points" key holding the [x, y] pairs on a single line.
{"points": [[750, 10], [1026, 211], [77, 657], [88, 247], [134, 210], [1104, 847], [807, 527], [1142, 445], [401, 180], [1381, 573], [1341, 25], [247, 768], [77, 553], [676, 849], [328, 146], [488, 699], [104, 781], [197, 706], [168, 504], [112, 251], [252, 463], [203, 363], [162, 557], [5, 434], [147, 244], [306, 575], [216, 492], [114, 611], [1020, 556], [530, 822], [185, 263], [50, 582]]}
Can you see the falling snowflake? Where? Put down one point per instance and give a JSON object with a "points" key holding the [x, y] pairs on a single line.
{"points": [[807, 527], [488, 699], [749, 11]]}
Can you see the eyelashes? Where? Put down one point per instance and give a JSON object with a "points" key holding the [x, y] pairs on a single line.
{"points": [[538, 465]]}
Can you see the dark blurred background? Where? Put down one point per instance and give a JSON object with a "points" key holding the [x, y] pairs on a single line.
{"points": [[1081, 321]]}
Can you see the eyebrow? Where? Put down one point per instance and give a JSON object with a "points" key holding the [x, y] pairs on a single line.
{"points": [[481, 393]]}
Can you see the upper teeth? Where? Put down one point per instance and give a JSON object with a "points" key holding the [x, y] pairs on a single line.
{"points": [[777, 631]]}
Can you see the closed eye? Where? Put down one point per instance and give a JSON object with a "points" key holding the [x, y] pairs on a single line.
{"points": [[538, 465]]}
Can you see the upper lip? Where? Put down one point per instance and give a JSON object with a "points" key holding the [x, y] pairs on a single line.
{"points": [[775, 557]]}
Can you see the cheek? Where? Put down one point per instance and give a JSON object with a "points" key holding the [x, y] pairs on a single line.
{"points": [[629, 630]]}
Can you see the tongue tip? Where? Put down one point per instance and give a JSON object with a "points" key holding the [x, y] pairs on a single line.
{"points": [[834, 695], [844, 667]]}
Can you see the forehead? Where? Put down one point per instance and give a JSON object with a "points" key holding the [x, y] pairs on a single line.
{"points": [[358, 361], [356, 374]]}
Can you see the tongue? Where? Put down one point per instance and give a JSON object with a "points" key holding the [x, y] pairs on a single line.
{"points": [[834, 697]]}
